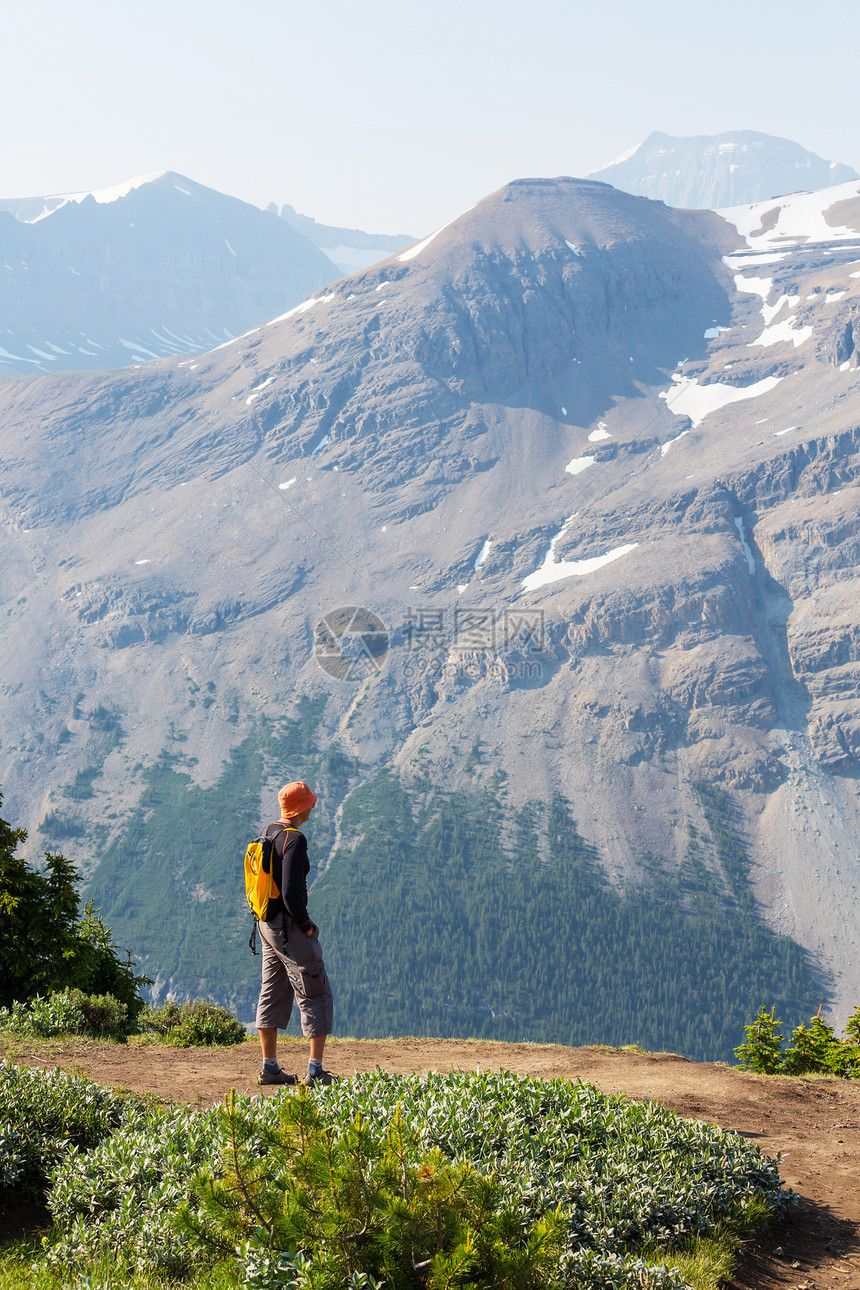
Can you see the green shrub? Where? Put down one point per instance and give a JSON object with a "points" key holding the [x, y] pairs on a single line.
{"points": [[67, 1012], [197, 1022], [814, 1049], [549, 1184], [356, 1205], [120, 1198], [43, 1116], [104, 1015], [43, 1018]]}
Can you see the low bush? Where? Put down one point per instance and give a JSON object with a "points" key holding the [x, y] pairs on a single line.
{"points": [[120, 1199], [416, 1181], [44, 1115], [67, 1012], [814, 1049], [197, 1022]]}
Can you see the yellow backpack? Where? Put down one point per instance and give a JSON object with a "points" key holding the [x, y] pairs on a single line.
{"points": [[260, 885]]}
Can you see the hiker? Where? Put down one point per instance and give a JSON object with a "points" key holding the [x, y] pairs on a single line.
{"points": [[292, 959]]}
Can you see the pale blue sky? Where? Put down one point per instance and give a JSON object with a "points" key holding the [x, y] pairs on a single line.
{"points": [[395, 117]]}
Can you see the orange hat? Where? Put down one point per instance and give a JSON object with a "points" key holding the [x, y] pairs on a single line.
{"points": [[295, 798]]}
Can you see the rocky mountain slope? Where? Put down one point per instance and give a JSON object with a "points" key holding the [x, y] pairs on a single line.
{"points": [[712, 170], [158, 265], [563, 499]]}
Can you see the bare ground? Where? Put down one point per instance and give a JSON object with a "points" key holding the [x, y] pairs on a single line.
{"points": [[814, 1123]]}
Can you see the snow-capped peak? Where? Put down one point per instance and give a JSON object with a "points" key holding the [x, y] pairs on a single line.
{"points": [[622, 156], [102, 195]]}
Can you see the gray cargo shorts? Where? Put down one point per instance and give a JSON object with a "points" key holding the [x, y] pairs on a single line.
{"points": [[293, 971]]}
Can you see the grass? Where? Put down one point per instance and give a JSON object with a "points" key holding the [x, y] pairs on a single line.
{"points": [[710, 1266], [712, 1262], [21, 1268]]}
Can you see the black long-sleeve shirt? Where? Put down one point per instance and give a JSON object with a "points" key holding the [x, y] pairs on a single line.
{"points": [[290, 867]]}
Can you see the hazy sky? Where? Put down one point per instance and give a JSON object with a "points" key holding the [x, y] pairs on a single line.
{"points": [[396, 117]]}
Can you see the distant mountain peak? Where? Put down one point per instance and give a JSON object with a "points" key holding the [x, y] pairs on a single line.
{"points": [[156, 265], [349, 249], [26, 209], [707, 171]]}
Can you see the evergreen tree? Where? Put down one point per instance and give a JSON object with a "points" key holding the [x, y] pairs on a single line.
{"points": [[46, 943]]}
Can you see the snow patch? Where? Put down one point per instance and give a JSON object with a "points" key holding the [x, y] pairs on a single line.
{"points": [[664, 447], [18, 358], [257, 390], [136, 348], [553, 571], [579, 464], [689, 399], [300, 309], [712, 333], [766, 257], [226, 243], [575, 249], [784, 331], [801, 217], [601, 433], [233, 339], [143, 562], [777, 434], [482, 555], [833, 296], [758, 286], [769, 312], [411, 253]]}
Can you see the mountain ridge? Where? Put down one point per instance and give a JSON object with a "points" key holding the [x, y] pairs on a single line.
{"points": [[712, 171], [408, 436], [157, 265]]}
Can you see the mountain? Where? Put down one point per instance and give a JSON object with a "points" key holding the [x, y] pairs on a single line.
{"points": [[534, 549], [706, 171], [348, 249], [158, 265]]}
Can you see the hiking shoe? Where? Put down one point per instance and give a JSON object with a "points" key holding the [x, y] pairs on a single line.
{"points": [[276, 1077], [323, 1079]]}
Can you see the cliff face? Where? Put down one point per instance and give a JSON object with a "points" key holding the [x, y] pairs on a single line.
{"points": [[589, 464]]}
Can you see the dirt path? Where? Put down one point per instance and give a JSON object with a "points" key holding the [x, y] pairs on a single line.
{"points": [[815, 1123]]}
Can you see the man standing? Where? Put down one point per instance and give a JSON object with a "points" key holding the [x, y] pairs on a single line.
{"points": [[292, 959]]}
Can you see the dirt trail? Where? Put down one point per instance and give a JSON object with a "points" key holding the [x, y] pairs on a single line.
{"points": [[815, 1123]]}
